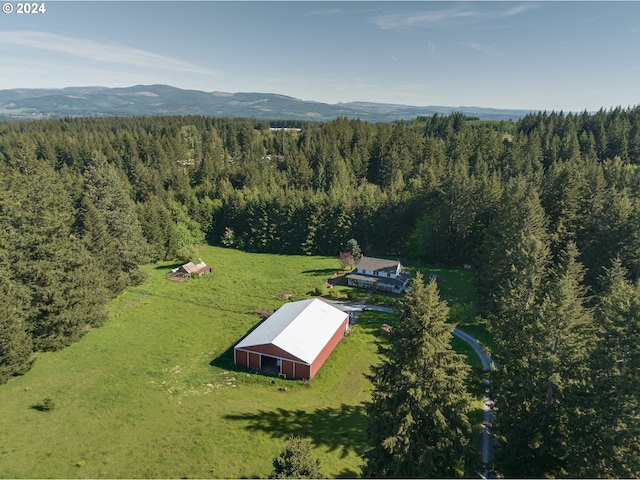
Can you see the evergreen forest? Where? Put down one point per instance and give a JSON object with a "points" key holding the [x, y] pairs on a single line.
{"points": [[546, 210]]}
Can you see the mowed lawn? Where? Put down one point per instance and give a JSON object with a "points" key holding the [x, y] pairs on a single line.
{"points": [[153, 394]]}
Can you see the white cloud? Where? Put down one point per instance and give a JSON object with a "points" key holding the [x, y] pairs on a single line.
{"points": [[432, 49], [436, 17], [324, 13], [418, 19], [483, 49], [96, 51]]}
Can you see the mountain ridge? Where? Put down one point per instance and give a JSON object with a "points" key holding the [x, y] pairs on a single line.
{"points": [[159, 99]]}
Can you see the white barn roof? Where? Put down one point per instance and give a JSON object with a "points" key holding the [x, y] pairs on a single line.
{"points": [[301, 328]]}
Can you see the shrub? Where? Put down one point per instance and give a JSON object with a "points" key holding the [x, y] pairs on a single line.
{"points": [[295, 461], [461, 313], [334, 294], [46, 405], [138, 277], [228, 238]]}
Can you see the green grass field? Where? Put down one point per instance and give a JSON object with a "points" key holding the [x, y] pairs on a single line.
{"points": [[153, 392]]}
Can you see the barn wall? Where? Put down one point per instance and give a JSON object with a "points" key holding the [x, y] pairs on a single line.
{"points": [[272, 351], [288, 368], [331, 344], [241, 358], [254, 360], [303, 371]]}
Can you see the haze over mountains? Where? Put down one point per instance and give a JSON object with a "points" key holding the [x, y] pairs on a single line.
{"points": [[147, 100]]}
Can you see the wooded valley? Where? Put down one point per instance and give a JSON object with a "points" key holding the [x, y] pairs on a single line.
{"points": [[546, 210]]}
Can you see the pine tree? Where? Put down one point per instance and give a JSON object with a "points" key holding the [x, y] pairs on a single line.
{"points": [[16, 346], [515, 250], [102, 246], [418, 425], [295, 461], [107, 191], [159, 229], [561, 200], [353, 249], [614, 449], [66, 291], [540, 386]]}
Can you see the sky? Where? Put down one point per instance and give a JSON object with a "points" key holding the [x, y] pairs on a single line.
{"points": [[569, 56]]}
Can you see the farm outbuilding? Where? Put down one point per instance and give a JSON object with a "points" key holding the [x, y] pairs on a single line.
{"points": [[188, 269], [295, 341]]}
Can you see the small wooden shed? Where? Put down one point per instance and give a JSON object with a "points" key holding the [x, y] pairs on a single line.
{"points": [[188, 269]]}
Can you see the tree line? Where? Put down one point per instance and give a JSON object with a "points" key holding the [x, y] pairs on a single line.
{"points": [[546, 208]]}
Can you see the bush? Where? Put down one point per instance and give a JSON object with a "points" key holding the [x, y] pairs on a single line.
{"points": [[319, 291], [138, 277], [334, 294], [461, 313], [295, 461], [46, 405], [352, 295]]}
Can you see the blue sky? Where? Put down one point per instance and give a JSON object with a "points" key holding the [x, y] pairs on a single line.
{"points": [[569, 56]]}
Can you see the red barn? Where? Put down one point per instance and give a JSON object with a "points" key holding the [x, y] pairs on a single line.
{"points": [[295, 341]]}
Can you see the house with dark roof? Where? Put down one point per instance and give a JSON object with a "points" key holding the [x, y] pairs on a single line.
{"points": [[295, 341], [378, 273]]}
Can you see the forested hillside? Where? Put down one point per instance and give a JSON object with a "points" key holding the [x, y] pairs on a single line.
{"points": [[547, 209]]}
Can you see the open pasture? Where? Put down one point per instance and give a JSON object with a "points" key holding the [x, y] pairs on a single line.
{"points": [[153, 393]]}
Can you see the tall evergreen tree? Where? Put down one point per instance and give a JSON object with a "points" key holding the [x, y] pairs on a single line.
{"points": [[540, 386], [418, 424], [614, 447], [107, 192], [515, 250], [66, 289], [16, 346]]}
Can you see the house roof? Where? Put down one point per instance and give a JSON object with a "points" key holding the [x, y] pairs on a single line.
{"points": [[301, 328], [378, 264], [398, 282]]}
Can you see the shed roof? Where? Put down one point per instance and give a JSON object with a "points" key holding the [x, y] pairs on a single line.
{"points": [[193, 268], [301, 328]]}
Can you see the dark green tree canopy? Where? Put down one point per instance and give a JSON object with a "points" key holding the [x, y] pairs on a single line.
{"points": [[540, 206], [418, 424]]}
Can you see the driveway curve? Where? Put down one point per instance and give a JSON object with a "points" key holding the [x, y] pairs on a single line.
{"points": [[487, 403], [485, 359]]}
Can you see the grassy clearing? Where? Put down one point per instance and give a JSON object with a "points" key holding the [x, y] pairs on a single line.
{"points": [[153, 392]]}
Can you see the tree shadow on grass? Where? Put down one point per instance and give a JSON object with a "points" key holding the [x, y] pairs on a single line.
{"points": [[321, 271], [168, 267], [225, 359], [340, 429]]}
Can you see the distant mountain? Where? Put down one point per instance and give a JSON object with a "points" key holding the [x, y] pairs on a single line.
{"points": [[148, 100]]}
